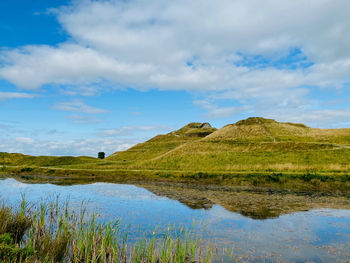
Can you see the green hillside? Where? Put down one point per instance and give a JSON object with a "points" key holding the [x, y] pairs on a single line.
{"points": [[248, 149], [251, 145], [158, 146], [261, 144]]}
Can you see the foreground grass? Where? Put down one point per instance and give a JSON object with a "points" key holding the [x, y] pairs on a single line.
{"points": [[52, 233]]}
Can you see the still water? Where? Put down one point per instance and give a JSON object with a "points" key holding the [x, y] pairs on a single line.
{"points": [[318, 235]]}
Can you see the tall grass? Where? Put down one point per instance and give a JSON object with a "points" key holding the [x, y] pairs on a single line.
{"points": [[55, 233]]}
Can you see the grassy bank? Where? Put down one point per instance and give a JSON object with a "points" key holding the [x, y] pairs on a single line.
{"points": [[55, 233], [335, 183]]}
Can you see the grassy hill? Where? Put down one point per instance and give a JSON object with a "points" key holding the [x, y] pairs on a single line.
{"points": [[158, 146], [251, 145], [252, 149], [254, 144]]}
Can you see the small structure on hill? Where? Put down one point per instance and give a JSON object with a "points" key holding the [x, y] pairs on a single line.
{"points": [[101, 155], [205, 125]]}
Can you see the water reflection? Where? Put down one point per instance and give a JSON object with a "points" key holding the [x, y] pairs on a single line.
{"points": [[287, 233], [255, 203]]}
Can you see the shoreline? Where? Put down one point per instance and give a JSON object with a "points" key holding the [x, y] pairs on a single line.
{"points": [[300, 182]]}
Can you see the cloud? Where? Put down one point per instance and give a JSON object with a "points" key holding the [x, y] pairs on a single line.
{"points": [[335, 118], [78, 106], [53, 132], [56, 142], [151, 43], [68, 64], [79, 119], [222, 49], [75, 147], [11, 128], [15, 95], [88, 91], [14, 129], [130, 130], [216, 112], [24, 140], [225, 112]]}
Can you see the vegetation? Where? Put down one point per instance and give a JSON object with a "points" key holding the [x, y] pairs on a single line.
{"points": [[52, 233], [256, 152], [256, 145], [17, 159], [161, 144]]}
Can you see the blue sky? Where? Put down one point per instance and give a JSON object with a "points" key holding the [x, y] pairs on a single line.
{"points": [[78, 77]]}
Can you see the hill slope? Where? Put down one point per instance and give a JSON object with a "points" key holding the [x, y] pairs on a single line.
{"points": [[260, 144], [257, 129], [161, 144]]}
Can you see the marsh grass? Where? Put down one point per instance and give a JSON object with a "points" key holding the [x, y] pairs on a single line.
{"points": [[55, 233]]}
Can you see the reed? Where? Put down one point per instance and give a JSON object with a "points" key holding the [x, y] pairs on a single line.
{"points": [[51, 232]]}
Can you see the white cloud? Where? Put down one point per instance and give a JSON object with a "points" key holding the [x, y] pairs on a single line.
{"points": [[129, 130], [75, 147], [20, 133], [335, 118], [34, 66], [147, 44], [193, 46], [225, 112], [92, 90], [80, 119], [15, 95], [24, 140], [216, 112], [78, 106]]}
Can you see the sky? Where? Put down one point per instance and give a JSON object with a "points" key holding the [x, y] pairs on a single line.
{"points": [[82, 76]]}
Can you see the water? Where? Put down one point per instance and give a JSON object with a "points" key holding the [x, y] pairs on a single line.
{"points": [[319, 235]]}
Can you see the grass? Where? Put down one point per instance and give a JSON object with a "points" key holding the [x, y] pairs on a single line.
{"points": [[17, 159], [55, 233], [161, 144], [257, 145]]}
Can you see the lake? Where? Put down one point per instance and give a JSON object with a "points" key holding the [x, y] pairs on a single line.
{"points": [[257, 226]]}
